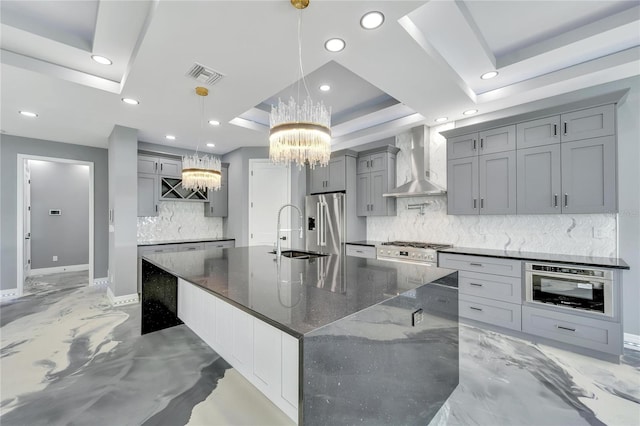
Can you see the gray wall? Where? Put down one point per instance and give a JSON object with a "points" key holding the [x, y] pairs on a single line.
{"points": [[10, 147], [123, 202], [65, 187], [628, 179]]}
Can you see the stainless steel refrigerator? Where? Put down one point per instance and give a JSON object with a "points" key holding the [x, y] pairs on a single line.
{"points": [[326, 224]]}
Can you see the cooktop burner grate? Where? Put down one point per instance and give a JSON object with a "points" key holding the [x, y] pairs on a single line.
{"points": [[416, 244]]}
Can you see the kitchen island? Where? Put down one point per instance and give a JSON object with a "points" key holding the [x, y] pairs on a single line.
{"points": [[329, 340]]}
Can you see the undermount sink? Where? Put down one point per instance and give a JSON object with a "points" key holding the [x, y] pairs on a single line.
{"points": [[297, 254]]}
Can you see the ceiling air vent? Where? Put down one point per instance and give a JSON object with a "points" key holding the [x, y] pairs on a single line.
{"points": [[204, 75]]}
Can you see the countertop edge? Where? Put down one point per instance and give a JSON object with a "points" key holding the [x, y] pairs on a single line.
{"points": [[545, 257], [164, 243]]}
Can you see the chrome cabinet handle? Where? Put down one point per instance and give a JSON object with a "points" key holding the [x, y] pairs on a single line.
{"points": [[481, 143], [161, 166], [565, 328], [555, 200], [475, 284], [482, 203], [155, 166], [156, 208], [474, 144], [566, 200], [555, 130], [565, 128], [475, 264], [475, 309], [475, 203]]}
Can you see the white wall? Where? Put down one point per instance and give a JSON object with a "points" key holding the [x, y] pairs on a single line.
{"points": [[615, 235]]}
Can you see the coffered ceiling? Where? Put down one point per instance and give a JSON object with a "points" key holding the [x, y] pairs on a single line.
{"points": [[424, 62]]}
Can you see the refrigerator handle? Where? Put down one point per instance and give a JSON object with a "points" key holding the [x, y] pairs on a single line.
{"points": [[318, 223], [323, 236]]}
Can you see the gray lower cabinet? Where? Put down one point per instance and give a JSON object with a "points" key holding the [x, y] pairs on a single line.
{"points": [[217, 204], [482, 185], [589, 176], [590, 333], [356, 250], [147, 194], [495, 312], [189, 247], [538, 182], [220, 244]]}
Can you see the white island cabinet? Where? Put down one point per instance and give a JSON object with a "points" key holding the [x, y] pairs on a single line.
{"points": [[266, 356]]}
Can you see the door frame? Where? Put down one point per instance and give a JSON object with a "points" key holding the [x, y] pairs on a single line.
{"points": [[20, 213], [252, 162]]}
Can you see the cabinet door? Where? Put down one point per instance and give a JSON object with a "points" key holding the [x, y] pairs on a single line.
{"points": [[378, 162], [336, 175], [462, 184], [169, 167], [318, 179], [497, 183], [538, 180], [378, 187], [589, 176], [363, 164], [147, 164], [497, 140], [363, 194], [147, 194], [544, 131], [218, 201], [588, 123], [462, 146]]}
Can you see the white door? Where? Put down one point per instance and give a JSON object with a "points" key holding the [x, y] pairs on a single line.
{"points": [[269, 189], [26, 208]]}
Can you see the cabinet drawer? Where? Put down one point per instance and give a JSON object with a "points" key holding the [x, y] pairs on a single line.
{"points": [[361, 251], [499, 287], [604, 336], [220, 244], [487, 265], [190, 247], [502, 314], [163, 248]]}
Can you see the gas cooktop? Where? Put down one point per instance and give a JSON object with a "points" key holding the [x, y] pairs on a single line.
{"points": [[416, 244], [410, 251]]}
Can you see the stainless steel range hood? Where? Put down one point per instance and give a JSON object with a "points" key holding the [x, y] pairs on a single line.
{"points": [[419, 185]]}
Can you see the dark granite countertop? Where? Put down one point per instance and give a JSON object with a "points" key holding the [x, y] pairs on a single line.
{"points": [[365, 243], [298, 296], [602, 262], [197, 240]]}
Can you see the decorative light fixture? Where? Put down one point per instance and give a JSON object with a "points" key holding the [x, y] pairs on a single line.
{"points": [[300, 132], [201, 173]]}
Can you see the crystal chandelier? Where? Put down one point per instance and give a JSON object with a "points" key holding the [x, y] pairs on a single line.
{"points": [[201, 173], [300, 132]]}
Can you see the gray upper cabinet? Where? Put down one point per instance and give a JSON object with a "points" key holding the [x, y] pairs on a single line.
{"points": [[462, 185], [545, 131], [163, 166], [497, 140], [147, 164], [376, 175], [147, 194], [462, 146], [539, 188], [588, 123], [330, 178], [589, 176], [217, 204], [497, 183]]}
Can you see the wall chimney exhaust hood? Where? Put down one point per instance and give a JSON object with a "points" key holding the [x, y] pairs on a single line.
{"points": [[419, 185]]}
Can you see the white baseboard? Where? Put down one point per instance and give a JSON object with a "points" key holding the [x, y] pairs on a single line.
{"points": [[8, 294], [632, 341], [127, 299], [58, 269], [100, 281]]}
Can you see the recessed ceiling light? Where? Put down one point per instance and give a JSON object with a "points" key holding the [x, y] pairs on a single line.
{"points": [[441, 119], [170, 137], [470, 111], [334, 44], [488, 75], [28, 114], [371, 20], [325, 87], [214, 122], [211, 145], [101, 59], [130, 101]]}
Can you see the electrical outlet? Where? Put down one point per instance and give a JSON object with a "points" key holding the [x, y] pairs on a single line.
{"points": [[416, 317], [55, 258]]}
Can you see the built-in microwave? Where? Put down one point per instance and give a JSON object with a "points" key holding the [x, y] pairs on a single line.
{"points": [[570, 287]]}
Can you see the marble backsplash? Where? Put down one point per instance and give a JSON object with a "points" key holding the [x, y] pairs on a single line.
{"points": [[579, 234], [179, 220]]}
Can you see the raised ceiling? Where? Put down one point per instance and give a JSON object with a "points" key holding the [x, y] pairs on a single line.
{"points": [[423, 63]]}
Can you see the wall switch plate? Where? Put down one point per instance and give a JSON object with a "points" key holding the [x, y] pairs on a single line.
{"points": [[55, 258], [416, 317]]}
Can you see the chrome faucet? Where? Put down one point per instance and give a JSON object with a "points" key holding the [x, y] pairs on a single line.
{"points": [[278, 247]]}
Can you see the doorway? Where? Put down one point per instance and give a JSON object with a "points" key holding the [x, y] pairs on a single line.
{"points": [[53, 212], [269, 189]]}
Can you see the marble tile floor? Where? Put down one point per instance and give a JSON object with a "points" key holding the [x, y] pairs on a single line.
{"points": [[68, 357]]}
